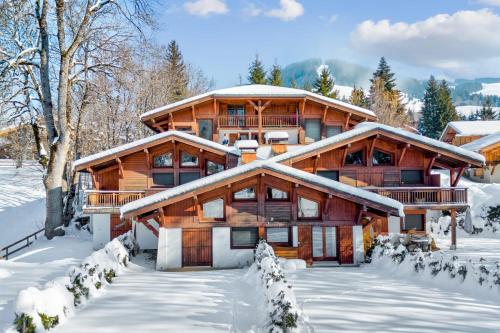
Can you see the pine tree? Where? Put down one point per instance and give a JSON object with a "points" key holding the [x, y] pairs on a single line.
{"points": [[324, 84], [430, 112], [358, 98], [275, 78], [177, 72], [447, 111], [384, 72], [256, 72], [293, 83], [487, 112]]}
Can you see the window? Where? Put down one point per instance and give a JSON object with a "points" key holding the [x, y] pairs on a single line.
{"points": [[354, 158], [412, 177], [275, 194], [382, 158], [333, 175], [333, 130], [277, 235], [237, 113], [205, 128], [163, 161], [214, 209], [186, 177], [188, 160], [313, 130], [307, 208], [163, 179], [213, 168], [414, 222], [245, 194], [244, 238]]}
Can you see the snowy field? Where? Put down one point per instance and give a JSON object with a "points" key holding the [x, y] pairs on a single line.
{"points": [[22, 200]]}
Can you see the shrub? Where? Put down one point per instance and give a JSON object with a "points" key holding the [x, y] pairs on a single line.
{"points": [[49, 322], [24, 323], [109, 275]]}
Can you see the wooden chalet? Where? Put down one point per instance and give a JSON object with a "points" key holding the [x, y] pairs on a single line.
{"points": [[461, 132], [489, 147]]}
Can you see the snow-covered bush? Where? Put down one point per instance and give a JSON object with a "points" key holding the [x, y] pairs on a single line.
{"points": [[38, 310]]}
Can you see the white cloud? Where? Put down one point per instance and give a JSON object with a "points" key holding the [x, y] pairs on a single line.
{"points": [[489, 2], [289, 10], [206, 7], [333, 18], [252, 9], [464, 43]]}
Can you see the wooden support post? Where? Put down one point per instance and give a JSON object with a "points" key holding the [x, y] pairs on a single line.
{"points": [[346, 124], [431, 164], [493, 169], [315, 163], [452, 176], [325, 110], [369, 157], [120, 167], [458, 176], [453, 230], [344, 155], [261, 197], [403, 152], [194, 125], [148, 158]]}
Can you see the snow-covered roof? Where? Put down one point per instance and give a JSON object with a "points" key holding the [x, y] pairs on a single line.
{"points": [[484, 142], [151, 140], [312, 179], [246, 144], [365, 127], [256, 90], [476, 127], [276, 135]]}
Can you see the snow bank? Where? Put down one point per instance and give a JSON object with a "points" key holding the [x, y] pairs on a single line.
{"points": [[41, 309], [442, 268]]}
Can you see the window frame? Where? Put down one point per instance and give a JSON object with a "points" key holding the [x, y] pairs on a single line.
{"points": [[412, 184], [337, 171], [154, 185], [392, 155], [333, 125], [287, 199], [254, 199], [306, 218], [210, 161], [403, 227], [363, 158], [189, 166], [213, 219], [280, 243], [161, 154], [186, 172], [211, 131], [233, 246]]}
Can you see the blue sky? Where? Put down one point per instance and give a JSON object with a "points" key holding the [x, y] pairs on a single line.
{"points": [[448, 38]]}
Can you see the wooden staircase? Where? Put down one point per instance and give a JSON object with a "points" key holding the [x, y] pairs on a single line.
{"points": [[286, 252]]}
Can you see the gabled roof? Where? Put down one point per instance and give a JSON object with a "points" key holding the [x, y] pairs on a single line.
{"points": [[472, 128], [256, 91], [484, 142], [367, 129], [151, 141], [190, 189]]}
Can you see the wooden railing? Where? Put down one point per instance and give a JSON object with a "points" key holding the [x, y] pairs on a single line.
{"points": [[110, 199], [290, 120], [424, 195], [8, 250]]}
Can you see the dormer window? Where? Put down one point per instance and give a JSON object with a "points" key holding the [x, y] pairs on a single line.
{"points": [[354, 158], [188, 160], [275, 194], [213, 168], [308, 209], [163, 161], [382, 158]]}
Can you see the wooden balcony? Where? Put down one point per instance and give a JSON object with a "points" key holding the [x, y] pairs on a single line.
{"points": [[269, 121], [425, 197], [110, 200]]}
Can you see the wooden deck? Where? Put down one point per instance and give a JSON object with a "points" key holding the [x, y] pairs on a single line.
{"points": [[269, 121], [111, 200], [426, 197]]}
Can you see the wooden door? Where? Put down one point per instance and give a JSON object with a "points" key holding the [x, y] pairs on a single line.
{"points": [[118, 227], [197, 247], [305, 243], [346, 254], [324, 243]]}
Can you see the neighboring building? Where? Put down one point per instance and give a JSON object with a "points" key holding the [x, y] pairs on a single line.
{"points": [[306, 172], [489, 147], [461, 132]]}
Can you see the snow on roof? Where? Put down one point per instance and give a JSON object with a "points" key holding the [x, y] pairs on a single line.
{"points": [[481, 143], [369, 126], [477, 127], [255, 165], [151, 139], [276, 135], [257, 90], [246, 144]]}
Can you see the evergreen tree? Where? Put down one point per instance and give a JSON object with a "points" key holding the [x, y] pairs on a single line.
{"points": [[177, 72], [324, 84], [386, 105], [384, 72], [293, 83], [359, 98], [447, 111], [275, 78], [256, 72], [429, 122], [487, 112], [307, 85]]}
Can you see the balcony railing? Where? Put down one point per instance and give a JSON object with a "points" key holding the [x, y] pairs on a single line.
{"points": [[424, 195], [253, 121], [110, 199]]}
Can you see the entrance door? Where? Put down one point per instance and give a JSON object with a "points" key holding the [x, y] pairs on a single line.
{"points": [[305, 246], [197, 247], [324, 243], [346, 254]]}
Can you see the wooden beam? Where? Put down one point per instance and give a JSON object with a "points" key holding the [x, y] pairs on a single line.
{"points": [[369, 158], [403, 152], [453, 214], [315, 163], [431, 163], [120, 167], [344, 155], [303, 107], [148, 158], [493, 169], [197, 207], [346, 124], [259, 111], [458, 176], [325, 109]]}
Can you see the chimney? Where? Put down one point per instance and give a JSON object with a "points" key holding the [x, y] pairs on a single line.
{"points": [[248, 150], [278, 141]]}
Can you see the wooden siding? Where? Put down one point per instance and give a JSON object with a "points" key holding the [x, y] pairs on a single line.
{"points": [[346, 246], [118, 227], [197, 247]]}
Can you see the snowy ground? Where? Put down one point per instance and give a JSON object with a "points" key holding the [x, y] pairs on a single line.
{"points": [[22, 200]]}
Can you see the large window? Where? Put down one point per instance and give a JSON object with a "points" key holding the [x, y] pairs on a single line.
{"points": [[307, 209], [245, 194], [412, 177], [244, 238], [333, 175], [238, 115], [213, 167], [163, 161], [275, 194], [354, 158], [414, 222], [205, 128], [277, 235], [382, 158], [188, 160], [186, 177], [163, 179], [313, 130], [214, 209], [333, 130]]}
